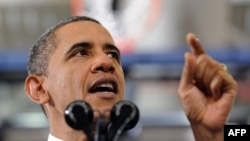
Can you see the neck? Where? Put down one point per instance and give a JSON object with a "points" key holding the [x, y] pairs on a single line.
{"points": [[60, 129], [69, 135]]}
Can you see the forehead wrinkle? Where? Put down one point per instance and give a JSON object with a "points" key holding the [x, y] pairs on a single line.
{"points": [[88, 31]]}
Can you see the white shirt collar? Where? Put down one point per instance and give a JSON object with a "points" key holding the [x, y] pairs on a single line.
{"points": [[53, 138]]}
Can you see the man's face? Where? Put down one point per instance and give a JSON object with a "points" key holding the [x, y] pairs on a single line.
{"points": [[84, 66]]}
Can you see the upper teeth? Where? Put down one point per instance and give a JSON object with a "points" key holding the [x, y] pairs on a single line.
{"points": [[108, 85]]}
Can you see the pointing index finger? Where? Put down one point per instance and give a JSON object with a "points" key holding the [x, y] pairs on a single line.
{"points": [[195, 45]]}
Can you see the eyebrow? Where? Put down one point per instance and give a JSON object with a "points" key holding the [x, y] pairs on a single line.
{"points": [[112, 47], [87, 45]]}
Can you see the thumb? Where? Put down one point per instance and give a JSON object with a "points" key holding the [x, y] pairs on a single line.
{"points": [[188, 72]]}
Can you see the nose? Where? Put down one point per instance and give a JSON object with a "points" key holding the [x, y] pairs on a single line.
{"points": [[102, 63]]}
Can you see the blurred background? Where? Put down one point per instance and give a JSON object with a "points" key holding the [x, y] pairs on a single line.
{"points": [[151, 35]]}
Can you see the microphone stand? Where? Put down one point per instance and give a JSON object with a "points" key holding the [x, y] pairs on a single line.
{"points": [[103, 133], [101, 130]]}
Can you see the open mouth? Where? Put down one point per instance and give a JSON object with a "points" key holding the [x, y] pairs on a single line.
{"points": [[104, 86]]}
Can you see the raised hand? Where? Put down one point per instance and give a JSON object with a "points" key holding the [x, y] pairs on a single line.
{"points": [[207, 92]]}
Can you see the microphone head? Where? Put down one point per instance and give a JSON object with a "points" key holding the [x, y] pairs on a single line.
{"points": [[79, 115], [122, 111]]}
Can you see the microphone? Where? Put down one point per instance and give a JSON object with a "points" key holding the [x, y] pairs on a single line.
{"points": [[124, 115], [79, 116]]}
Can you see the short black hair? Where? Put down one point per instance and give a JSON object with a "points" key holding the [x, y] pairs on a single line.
{"points": [[41, 50]]}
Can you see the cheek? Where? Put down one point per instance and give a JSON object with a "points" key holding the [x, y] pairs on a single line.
{"points": [[64, 87], [120, 76]]}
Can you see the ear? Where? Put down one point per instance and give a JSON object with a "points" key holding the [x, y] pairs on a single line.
{"points": [[35, 90]]}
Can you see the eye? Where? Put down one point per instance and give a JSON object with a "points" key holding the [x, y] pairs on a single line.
{"points": [[113, 55], [81, 53]]}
